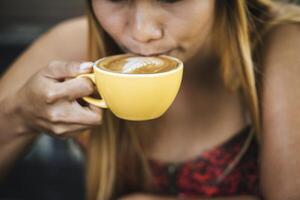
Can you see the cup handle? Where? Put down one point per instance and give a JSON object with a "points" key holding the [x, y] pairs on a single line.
{"points": [[96, 102]]}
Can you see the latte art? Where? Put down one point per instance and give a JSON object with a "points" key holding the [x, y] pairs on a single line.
{"points": [[129, 64], [136, 63]]}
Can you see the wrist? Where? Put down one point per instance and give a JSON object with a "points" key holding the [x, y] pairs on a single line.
{"points": [[11, 119]]}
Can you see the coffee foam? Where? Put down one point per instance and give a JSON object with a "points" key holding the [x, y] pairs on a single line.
{"points": [[139, 64], [136, 63]]}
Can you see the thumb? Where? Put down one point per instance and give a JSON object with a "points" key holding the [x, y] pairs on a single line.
{"points": [[60, 70]]}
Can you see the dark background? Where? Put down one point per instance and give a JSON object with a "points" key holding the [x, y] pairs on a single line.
{"points": [[52, 169], [21, 21]]}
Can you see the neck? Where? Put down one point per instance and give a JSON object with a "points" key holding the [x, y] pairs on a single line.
{"points": [[200, 86], [202, 71], [202, 102], [202, 96]]}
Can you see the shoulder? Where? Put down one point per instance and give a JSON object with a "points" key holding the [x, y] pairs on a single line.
{"points": [[280, 105], [280, 79], [281, 49], [281, 59], [67, 40], [281, 41], [74, 26]]}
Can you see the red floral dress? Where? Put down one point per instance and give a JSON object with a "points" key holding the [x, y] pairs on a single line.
{"points": [[201, 176]]}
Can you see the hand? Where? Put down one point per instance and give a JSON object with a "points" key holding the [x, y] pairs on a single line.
{"points": [[146, 197], [47, 102]]}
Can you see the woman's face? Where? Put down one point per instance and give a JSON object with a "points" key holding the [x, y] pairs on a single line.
{"points": [[149, 27]]}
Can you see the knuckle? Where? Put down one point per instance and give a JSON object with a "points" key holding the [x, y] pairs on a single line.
{"points": [[50, 97], [98, 120], [73, 67], [55, 63], [55, 116], [53, 93], [88, 86], [95, 121], [97, 116], [53, 69]]}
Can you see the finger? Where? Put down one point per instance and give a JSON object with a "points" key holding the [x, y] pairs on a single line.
{"points": [[73, 112], [60, 70], [95, 109], [73, 89], [87, 115], [75, 134], [61, 130], [41, 126], [64, 130]]}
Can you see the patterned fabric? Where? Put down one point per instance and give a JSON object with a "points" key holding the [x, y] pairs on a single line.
{"points": [[200, 177]]}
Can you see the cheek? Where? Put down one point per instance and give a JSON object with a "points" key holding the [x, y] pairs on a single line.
{"points": [[194, 25], [113, 24]]}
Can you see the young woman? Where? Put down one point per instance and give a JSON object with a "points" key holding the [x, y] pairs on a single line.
{"points": [[232, 132]]}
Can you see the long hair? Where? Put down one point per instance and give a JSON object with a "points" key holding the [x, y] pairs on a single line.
{"points": [[117, 152]]}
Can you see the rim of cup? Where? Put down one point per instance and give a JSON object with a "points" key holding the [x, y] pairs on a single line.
{"points": [[97, 68]]}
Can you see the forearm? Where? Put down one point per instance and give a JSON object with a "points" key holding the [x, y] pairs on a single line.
{"points": [[138, 196], [216, 198], [14, 136], [226, 198]]}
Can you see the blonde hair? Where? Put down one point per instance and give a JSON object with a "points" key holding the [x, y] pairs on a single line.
{"points": [[116, 152]]}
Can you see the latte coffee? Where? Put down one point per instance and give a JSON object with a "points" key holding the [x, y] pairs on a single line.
{"points": [[135, 87], [133, 64]]}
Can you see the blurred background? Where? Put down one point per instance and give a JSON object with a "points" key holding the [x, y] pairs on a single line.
{"points": [[22, 21], [42, 174]]}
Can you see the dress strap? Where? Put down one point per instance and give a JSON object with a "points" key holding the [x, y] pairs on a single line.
{"points": [[239, 156]]}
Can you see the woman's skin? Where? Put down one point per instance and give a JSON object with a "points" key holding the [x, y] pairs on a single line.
{"points": [[34, 97], [152, 197], [152, 27], [38, 98]]}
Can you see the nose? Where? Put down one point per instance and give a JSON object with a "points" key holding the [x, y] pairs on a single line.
{"points": [[145, 25]]}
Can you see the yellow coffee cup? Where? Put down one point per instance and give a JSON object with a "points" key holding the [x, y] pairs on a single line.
{"points": [[135, 97]]}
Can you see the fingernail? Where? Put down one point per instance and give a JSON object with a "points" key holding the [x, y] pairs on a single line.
{"points": [[85, 66]]}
